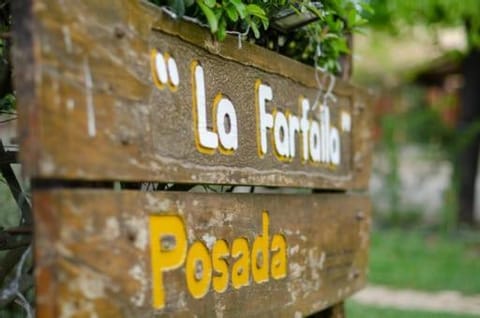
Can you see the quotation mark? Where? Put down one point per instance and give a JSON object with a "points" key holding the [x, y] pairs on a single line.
{"points": [[346, 122], [165, 71]]}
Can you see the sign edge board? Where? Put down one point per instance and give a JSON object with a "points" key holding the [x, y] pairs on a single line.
{"points": [[94, 252]]}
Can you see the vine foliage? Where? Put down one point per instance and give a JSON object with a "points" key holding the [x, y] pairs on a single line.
{"points": [[320, 43]]}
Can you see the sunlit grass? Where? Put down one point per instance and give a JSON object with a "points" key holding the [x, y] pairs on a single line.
{"points": [[411, 259], [356, 310]]}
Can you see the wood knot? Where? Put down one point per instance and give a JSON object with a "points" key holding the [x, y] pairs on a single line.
{"points": [[168, 242], [212, 46], [360, 106], [124, 141], [119, 32], [356, 274], [198, 270], [359, 216]]}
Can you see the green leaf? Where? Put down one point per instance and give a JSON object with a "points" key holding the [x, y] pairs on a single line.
{"points": [[351, 18], [255, 30], [265, 23], [241, 8], [331, 36], [256, 11], [218, 14], [210, 15], [366, 7], [295, 9], [210, 3], [222, 29], [232, 13], [8, 103], [315, 10], [341, 45]]}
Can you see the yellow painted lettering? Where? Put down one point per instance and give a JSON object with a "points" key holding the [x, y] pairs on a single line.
{"points": [[220, 266], [241, 268], [204, 268], [198, 270], [260, 252], [279, 259], [168, 248]]}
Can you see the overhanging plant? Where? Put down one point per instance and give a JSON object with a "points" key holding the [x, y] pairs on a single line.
{"points": [[319, 43]]}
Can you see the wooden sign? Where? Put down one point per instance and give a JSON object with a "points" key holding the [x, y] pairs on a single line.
{"points": [[136, 254], [117, 90]]}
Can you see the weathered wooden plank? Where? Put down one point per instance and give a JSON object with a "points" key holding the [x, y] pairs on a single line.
{"points": [[92, 104], [136, 254]]}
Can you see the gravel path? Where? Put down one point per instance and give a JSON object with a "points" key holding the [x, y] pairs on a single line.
{"points": [[444, 301]]}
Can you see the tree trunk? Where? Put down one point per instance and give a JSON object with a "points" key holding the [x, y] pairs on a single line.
{"points": [[468, 155]]}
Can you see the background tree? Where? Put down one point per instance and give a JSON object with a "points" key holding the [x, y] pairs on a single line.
{"points": [[399, 15]]}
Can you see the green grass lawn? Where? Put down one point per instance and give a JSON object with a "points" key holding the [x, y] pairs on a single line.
{"points": [[410, 259], [356, 310]]}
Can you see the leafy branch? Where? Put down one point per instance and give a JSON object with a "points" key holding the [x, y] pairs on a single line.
{"points": [[319, 43]]}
